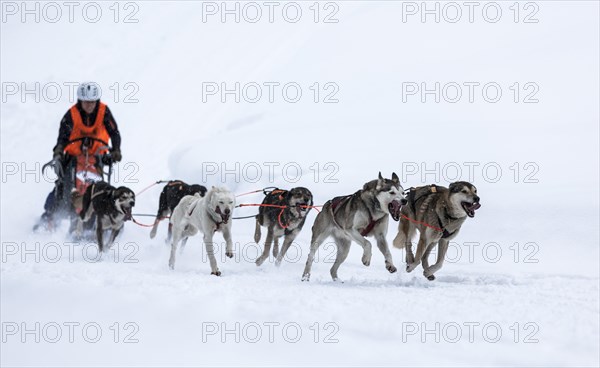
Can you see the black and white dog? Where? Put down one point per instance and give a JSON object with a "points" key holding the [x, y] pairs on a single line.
{"points": [[169, 199], [283, 214], [112, 207]]}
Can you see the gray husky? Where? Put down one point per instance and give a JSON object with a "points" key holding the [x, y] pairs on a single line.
{"points": [[438, 213], [354, 217], [286, 222]]}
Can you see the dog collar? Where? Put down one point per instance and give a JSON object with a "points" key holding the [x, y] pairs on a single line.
{"points": [[445, 232]]}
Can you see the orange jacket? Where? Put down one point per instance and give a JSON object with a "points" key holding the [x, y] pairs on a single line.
{"points": [[80, 130]]}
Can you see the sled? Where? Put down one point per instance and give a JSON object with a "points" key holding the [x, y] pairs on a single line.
{"points": [[74, 177]]}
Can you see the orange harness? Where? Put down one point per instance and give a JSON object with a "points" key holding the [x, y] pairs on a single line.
{"points": [[80, 130]]}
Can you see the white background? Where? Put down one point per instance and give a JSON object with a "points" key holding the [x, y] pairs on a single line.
{"points": [[543, 283]]}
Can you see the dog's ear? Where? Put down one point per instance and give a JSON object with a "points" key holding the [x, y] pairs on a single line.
{"points": [[454, 187], [395, 178], [380, 181]]}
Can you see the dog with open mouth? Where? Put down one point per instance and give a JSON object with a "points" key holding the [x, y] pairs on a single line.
{"points": [[112, 207], [438, 213], [355, 217], [208, 214], [283, 213]]}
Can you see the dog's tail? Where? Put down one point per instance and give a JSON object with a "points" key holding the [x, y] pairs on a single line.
{"points": [[154, 228], [400, 240], [257, 232], [405, 233]]}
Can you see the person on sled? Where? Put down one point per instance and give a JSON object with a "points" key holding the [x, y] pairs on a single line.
{"points": [[84, 130]]}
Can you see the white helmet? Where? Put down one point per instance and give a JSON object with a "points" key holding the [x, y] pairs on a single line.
{"points": [[88, 91]]}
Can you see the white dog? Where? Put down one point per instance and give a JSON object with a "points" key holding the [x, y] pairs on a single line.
{"points": [[207, 214]]}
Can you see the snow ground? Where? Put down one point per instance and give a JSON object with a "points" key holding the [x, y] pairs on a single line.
{"points": [[520, 286]]}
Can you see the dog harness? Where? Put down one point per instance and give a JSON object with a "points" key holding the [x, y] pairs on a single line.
{"points": [[80, 130], [95, 194], [412, 192], [445, 233], [337, 201], [413, 202], [281, 193], [193, 207], [176, 182]]}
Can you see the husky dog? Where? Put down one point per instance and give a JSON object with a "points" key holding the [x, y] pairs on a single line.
{"points": [[438, 213], [112, 207], [353, 217], [170, 197], [286, 221], [207, 214]]}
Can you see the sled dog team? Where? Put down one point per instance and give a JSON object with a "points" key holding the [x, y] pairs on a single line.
{"points": [[436, 212]]}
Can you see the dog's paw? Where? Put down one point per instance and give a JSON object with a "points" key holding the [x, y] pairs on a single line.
{"points": [[410, 267], [366, 259], [259, 261], [229, 254], [391, 268], [427, 273], [216, 273], [306, 277]]}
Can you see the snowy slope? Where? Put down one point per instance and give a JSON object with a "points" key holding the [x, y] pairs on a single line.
{"points": [[520, 285]]}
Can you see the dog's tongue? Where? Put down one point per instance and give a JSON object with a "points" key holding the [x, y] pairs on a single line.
{"points": [[127, 212], [395, 207], [224, 217], [470, 209]]}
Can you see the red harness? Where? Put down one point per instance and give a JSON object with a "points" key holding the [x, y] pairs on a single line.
{"points": [[413, 201]]}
